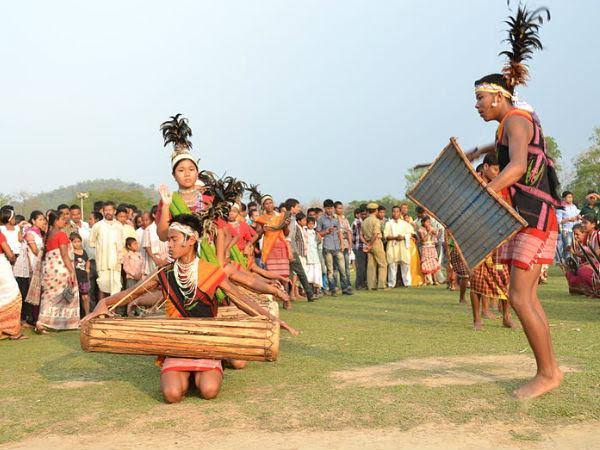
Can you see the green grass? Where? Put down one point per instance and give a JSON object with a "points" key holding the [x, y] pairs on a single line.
{"points": [[297, 392]]}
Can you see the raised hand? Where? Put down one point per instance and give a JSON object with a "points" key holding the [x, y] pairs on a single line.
{"points": [[165, 195]]}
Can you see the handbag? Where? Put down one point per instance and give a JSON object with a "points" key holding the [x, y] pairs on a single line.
{"points": [[68, 294]]}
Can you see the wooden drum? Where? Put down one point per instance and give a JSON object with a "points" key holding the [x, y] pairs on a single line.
{"points": [[478, 218], [245, 338]]}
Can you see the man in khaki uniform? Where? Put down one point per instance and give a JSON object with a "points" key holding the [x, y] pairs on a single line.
{"points": [[376, 264]]}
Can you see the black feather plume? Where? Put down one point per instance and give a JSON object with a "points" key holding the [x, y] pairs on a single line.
{"points": [[176, 131], [254, 194], [225, 191], [523, 37]]}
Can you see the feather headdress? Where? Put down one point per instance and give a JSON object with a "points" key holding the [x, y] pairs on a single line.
{"points": [[176, 131], [225, 191], [523, 37], [254, 194]]}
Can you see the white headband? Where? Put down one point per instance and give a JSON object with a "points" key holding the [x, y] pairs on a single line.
{"points": [[186, 230]]}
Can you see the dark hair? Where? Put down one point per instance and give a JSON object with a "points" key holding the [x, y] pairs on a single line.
{"points": [[52, 216], [338, 203], [281, 206], [130, 240], [479, 168], [34, 215], [290, 203], [121, 209], [495, 78], [590, 219], [243, 207], [252, 205], [191, 221], [74, 235], [98, 205], [310, 219], [74, 206], [491, 160], [328, 203], [19, 218], [300, 216], [318, 210], [577, 226], [419, 210], [6, 213], [62, 206], [357, 211], [153, 210], [109, 203], [395, 207], [381, 208], [310, 211], [123, 205], [425, 219], [564, 194], [97, 216]]}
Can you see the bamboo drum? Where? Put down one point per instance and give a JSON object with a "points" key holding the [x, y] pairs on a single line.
{"points": [[228, 312], [478, 218], [245, 338]]}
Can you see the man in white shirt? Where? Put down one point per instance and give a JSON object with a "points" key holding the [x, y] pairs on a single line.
{"points": [[156, 252], [398, 233], [107, 237], [568, 216]]}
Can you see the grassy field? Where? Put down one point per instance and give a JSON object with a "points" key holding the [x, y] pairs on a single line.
{"points": [[49, 386]]}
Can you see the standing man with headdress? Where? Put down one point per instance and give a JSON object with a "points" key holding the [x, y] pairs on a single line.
{"points": [[528, 179]]}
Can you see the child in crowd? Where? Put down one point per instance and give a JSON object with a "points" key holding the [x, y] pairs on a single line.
{"points": [[313, 262], [133, 262], [81, 262]]}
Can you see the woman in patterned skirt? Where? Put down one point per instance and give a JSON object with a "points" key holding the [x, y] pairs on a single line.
{"points": [[59, 305]]}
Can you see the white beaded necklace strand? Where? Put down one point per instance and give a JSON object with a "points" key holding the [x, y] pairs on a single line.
{"points": [[186, 276]]}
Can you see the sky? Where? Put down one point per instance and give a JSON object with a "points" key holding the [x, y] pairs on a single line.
{"points": [[310, 99]]}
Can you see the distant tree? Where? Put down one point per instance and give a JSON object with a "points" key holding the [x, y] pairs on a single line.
{"points": [[388, 201], [5, 199], [135, 197], [26, 202], [554, 152], [587, 168], [412, 176]]}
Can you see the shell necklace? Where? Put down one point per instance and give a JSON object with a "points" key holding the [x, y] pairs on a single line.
{"points": [[186, 277]]}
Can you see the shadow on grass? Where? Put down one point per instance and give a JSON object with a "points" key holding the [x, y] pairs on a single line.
{"points": [[78, 365]]}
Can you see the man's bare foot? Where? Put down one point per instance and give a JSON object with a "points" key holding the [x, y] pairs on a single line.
{"points": [[539, 385], [508, 323], [478, 326], [462, 300]]}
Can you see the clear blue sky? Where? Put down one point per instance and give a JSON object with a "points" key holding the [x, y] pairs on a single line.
{"points": [[311, 99]]}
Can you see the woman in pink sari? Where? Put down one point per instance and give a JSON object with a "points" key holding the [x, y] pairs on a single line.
{"points": [[584, 278]]}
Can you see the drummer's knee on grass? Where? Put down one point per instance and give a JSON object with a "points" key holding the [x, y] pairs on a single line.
{"points": [[209, 383], [236, 364], [174, 386], [172, 393]]}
